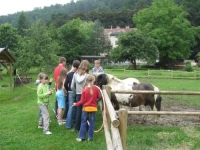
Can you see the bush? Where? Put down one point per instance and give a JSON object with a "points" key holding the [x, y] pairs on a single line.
{"points": [[188, 67]]}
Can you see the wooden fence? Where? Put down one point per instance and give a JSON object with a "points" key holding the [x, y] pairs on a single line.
{"points": [[117, 120], [170, 74]]}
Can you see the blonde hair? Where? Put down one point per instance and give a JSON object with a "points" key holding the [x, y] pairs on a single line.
{"points": [[83, 67], [97, 61], [61, 77], [39, 75], [90, 82]]}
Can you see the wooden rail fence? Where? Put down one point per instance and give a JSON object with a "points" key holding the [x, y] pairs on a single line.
{"points": [[115, 122], [170, 74]]}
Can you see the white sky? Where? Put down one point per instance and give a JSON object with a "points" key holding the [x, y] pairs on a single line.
{"points": [[13, 6]]}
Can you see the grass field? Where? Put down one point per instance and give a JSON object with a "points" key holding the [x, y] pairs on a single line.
{"points": [[19, 116]]}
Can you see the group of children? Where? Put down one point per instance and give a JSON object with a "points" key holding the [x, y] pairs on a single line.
{"points": [[78, 89]]}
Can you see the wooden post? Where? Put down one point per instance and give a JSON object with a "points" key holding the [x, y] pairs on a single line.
{"points": [[111, 111], [107, 133], [171, 74], [124, 72], [123, 115], [108, 90], [10, 75], [117, 144]]}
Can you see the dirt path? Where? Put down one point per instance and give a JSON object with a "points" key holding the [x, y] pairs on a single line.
{"points": [[168, 120]]}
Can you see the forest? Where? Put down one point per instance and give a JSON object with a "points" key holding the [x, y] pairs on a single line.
{"points": [[76, 28]]}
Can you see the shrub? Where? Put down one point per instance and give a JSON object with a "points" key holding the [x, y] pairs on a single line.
{"points": [[188, 67]]}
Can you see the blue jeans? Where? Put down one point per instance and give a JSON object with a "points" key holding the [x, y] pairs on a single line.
{"points": [[71, 100], [78, 113], [87, 116]]}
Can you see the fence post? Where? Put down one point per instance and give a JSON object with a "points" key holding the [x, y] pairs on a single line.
{"points": [[108, 90], [171, 74], [124, 73], [123, 115]]}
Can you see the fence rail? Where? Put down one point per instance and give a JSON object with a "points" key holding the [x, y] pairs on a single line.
{"points": [[119, 129], [171, 74]]}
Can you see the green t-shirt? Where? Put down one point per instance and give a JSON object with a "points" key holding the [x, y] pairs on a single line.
{"points": [[42, 95]]}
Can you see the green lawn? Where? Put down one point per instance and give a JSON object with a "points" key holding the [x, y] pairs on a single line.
{"points": [[19, 120]]}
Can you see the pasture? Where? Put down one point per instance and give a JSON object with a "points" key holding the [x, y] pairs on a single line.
{"points": [[19, 116]]}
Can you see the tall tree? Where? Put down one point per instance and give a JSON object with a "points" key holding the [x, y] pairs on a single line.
{"points": [[97, 42], [37, 48], [135, 45], [22, 24], [8, 36], [167, 23], [72, 37]]}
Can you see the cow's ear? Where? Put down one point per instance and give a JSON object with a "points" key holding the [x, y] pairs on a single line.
{"points": [[134, 83]]}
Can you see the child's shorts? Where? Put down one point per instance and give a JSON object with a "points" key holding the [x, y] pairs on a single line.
{"points": [[61, 99]]}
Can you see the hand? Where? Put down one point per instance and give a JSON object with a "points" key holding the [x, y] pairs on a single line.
{"points": [[50, 80], [74, 104], [50, 92]]}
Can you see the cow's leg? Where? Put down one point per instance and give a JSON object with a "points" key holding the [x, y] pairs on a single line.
{"points": [[147, 108], [155, 116]]}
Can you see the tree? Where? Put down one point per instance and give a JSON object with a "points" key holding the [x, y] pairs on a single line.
{"points": [[8, 36], [72, 37], [22, 24], [97, 42], [166, 22], [135, 45], [37, 49]]}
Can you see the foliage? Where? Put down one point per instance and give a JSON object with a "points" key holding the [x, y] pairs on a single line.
{"points": [[22, 24], [78, 38], [188, 67], [8, 37], [167, 22], [72, 37], [109, 12], [37, 49], [134, 45]]}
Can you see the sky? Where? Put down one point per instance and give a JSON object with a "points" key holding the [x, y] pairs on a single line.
{"points": [[13, 6]]}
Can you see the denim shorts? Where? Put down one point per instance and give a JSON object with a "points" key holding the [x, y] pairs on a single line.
{"points": [[61, 99]]}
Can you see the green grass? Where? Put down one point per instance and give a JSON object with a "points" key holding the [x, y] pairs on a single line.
{"points": [[19, 120]]}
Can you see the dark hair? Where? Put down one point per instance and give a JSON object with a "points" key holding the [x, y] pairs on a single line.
{"points": [[62, 59], [76, 64]]}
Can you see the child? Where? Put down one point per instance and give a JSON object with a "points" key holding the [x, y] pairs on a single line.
{"points": [[43, 101], [71, 95], [61, 95], [37, 82], [89, 97], [97, 69], [78, 81]]}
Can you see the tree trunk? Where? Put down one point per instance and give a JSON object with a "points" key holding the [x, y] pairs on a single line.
{"points": [[164, 61], [134, 63]]}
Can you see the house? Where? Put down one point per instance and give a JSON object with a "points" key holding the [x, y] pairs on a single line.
{"points": [[113, 33]]}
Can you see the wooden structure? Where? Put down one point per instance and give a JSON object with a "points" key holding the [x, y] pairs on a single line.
{"points": [[91, 58], [115, 122], [6, 60]]}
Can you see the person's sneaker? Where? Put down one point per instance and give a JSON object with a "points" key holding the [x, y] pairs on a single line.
{"points": [[78, 140], [40, 127], [61, 123], [47, 132], [89, 139]]}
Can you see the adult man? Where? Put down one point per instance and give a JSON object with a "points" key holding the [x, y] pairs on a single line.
{"points": [[62, 63]]}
